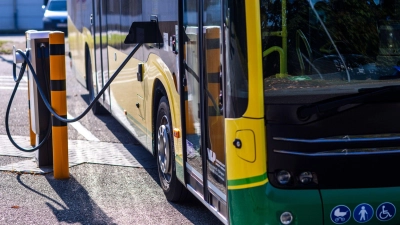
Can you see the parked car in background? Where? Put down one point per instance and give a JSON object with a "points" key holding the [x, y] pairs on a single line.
{"points": [[55, 15]]}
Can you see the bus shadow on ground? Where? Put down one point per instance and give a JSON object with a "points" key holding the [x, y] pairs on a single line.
{"points": [[148, 161], [144, 157]]}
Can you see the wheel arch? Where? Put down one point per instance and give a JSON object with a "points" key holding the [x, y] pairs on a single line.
{"points": [[158, 92], [87, 38]]}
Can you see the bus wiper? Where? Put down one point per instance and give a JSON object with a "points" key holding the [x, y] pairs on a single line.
{"points": [[328, 107]]}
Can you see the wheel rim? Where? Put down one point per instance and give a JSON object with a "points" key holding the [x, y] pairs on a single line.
{"points": [[164, 159]]}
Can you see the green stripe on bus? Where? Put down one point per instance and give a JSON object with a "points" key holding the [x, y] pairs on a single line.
{"points": [[248, 180]]}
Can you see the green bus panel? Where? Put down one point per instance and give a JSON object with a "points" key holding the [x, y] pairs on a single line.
{"points": [[374, 198], [265, 204]]}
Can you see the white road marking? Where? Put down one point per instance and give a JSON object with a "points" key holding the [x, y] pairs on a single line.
{"points": [[8, 83], [82, 130], [12, 88]]}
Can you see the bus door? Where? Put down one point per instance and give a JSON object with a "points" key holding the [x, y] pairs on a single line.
{"points": [[101, 52], [205, 154]]}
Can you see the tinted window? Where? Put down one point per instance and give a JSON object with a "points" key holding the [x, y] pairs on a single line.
{"points": [[333, 46], [236, 90]]}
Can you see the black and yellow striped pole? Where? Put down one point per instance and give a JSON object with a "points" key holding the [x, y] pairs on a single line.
{"points": [[59, 104]]}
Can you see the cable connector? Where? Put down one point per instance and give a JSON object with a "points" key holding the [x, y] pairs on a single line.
{"points": [[17, 57]]}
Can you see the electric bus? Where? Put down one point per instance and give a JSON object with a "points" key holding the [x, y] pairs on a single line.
{"points": [[268, 111]]}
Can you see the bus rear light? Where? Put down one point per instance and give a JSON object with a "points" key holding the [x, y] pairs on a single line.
{"points": [[286, 218], [283, 177]]}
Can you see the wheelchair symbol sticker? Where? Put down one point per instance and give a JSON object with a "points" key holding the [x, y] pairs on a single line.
{"points": [[363, 213], [340, 214], [385, 211]]}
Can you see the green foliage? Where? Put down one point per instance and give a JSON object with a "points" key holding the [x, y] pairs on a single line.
{"points": [[4, 49]]}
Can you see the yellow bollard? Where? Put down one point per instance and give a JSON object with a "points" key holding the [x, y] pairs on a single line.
{"points": [[59, 104]]}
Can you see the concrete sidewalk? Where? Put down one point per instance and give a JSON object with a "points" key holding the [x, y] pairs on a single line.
{"points": [[79, 152]]}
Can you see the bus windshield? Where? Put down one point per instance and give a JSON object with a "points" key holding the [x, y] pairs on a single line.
{"points": [[329, 47]]}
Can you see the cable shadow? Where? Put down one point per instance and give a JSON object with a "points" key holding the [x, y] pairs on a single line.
{"points": [[6, 60], [9, 61], [79, 207]]}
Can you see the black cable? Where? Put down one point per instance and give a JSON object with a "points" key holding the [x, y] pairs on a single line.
{"points": [[45, 99], [46, 102], [17, 81], [42, 47]]}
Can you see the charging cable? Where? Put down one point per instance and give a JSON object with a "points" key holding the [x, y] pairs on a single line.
{"points": [[18, 78]]}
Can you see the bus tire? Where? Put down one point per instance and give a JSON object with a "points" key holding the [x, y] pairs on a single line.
{"points": [[173, 189], [97, 108]]}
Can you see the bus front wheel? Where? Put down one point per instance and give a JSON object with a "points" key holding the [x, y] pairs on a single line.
{"points": [[172, 187]]}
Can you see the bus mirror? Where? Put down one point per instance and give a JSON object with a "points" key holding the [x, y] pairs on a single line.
{"points": [[144, 32]]}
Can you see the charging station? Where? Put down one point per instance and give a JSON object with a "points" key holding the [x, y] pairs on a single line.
{"points": [[38, 44], [44, 60]]}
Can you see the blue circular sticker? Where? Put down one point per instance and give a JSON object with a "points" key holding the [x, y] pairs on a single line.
{"points": [[385, 211], [340, 214], [363, 213]]}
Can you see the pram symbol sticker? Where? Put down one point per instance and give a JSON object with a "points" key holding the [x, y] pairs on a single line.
{"points": [[363, 213], [385, 211], [340, 214]]}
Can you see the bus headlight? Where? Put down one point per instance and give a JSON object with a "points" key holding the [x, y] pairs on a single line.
{"points": [[286, 218], [306, 177], [283, 177]]}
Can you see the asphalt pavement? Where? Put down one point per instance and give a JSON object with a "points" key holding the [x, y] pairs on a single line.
{"points": [[112, 180], [94, 194]]}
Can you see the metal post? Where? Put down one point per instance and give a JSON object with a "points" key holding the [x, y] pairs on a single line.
{"points": [[32, 134], [59, 104]]}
